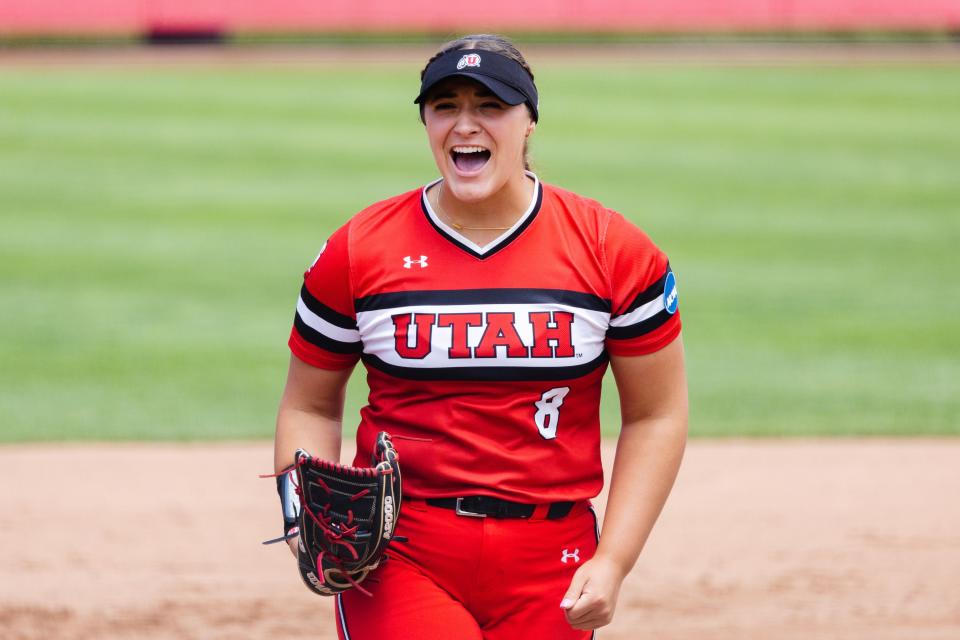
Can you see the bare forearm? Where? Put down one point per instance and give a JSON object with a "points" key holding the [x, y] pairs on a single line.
{"points": [[653, 406], [646, 464], [300, 429], [310, 414]]}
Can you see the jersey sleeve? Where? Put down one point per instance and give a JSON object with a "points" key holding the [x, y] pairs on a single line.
{"points": [[645, 313], [324, 330]]}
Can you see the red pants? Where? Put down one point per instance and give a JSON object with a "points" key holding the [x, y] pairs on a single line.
{"points": [[463, 578]]}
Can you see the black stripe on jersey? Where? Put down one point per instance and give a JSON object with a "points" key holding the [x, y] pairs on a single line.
{"points": [[316, 338], [640, 328], [482, 296], [652, 292], [486, 374], [500, 245], [325, 312]]}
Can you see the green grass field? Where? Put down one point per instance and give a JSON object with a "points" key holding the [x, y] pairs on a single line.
{"points": [[156, 223]]}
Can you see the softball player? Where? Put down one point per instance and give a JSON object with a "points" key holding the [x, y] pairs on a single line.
{"points": [[486, 307]]}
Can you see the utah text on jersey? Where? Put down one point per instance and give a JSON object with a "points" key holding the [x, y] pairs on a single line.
{"points": [[484, 334]]}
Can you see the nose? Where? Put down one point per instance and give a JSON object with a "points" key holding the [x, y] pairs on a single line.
{"points": [[467, 123]]}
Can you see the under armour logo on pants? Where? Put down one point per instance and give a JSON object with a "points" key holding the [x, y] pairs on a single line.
{"points": [[575, 556]]}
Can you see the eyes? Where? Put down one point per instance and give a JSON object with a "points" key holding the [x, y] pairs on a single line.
{"points": [[487, 105]]}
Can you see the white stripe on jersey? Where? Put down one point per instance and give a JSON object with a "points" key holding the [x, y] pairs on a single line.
{"points": [[641, 313], [588, 332], [329, 330]]}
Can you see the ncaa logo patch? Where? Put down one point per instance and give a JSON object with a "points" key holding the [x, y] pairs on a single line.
{"points": [[670, 298], [469, 60]]}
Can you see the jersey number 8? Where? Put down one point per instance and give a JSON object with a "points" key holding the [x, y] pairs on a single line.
{"points": [[548, 411]]}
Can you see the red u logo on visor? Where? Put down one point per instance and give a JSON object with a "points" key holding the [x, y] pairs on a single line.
{"points": [[469, 60]]}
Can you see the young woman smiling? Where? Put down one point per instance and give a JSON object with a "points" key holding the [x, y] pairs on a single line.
{"points": [[478, 142], [486, 307]]}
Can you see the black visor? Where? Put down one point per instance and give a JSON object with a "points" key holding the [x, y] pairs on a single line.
{"points": [[502, 75]]}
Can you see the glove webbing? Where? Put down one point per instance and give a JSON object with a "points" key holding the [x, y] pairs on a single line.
{"points": [[338, 533], [334, 534]]}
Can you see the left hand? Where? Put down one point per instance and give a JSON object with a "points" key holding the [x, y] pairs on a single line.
{"points": [[590, 600]]}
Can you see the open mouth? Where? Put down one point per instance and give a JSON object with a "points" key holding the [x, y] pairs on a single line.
{"points": [[469, 159]]}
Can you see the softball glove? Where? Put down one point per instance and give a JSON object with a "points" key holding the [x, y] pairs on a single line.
{"points": [[347, 517]]}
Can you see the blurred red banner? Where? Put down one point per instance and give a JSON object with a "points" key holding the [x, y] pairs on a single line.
{"points": [[131, 17]]}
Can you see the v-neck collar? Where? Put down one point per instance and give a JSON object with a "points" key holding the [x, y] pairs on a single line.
{"points": [[468, 245]]}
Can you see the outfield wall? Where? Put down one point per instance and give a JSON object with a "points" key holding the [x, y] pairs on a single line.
{"points": [[133, 17]]}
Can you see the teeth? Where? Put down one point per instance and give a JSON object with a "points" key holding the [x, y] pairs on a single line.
{"points": [[468, 149]]}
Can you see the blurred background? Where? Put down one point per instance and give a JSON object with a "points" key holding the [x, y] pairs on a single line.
{"points": [[168, 169]]}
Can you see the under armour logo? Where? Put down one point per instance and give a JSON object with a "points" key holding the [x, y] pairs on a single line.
{"points": [[575, 556], [408, 262]]}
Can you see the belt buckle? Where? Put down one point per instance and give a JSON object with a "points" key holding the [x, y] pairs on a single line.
{"points": [[469, 514]]}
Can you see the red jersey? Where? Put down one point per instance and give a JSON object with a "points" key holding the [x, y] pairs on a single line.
{"points": [[485, 363]]}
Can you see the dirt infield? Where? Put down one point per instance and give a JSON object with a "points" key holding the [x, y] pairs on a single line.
{"points": [[761, 539]]}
